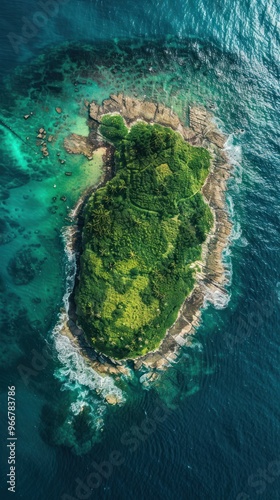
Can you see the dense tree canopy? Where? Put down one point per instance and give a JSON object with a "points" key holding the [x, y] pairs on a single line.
{"points": [[143, 231]]}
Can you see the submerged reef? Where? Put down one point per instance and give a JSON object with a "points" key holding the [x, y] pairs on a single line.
{"points": [[26, 264]]}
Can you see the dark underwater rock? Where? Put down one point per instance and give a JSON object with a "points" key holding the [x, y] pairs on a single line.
{"points": [[7, 230], [25, 265]]}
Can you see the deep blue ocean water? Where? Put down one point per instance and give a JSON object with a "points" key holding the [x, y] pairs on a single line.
{"points": [[214, 417]]}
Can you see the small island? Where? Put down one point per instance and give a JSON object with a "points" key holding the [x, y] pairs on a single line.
{"points": [[153, 231], [142, 236]]}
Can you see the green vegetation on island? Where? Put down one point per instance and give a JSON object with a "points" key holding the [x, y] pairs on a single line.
{"points": [[143, 232]]}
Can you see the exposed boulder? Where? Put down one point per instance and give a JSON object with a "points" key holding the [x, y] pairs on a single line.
{"points": [[164, 116], [112, 399], [78, 144], [111, 106], [198, 119], [148, 111], [94, 111], [216, 138]]}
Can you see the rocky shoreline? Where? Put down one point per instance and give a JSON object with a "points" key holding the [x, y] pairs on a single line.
{"points": [[211, 280]]}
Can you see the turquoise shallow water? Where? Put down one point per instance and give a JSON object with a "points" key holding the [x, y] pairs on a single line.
{"points": [[220, 414]]}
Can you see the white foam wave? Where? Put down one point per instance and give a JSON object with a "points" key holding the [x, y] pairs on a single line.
{"points": [[234, 151], [74, 212], [226, 258], [230, 203], [71, 267], [218, 298], [219, 123], [234, 154], [236, 237], [76, 373], [236, 232]]}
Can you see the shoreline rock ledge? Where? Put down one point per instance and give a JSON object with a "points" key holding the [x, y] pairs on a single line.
{"points": [[211, 280]]}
